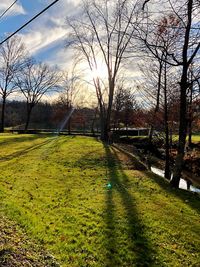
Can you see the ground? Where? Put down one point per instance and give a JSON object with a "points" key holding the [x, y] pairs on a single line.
{"points": [[87, 204], [16, 249]]}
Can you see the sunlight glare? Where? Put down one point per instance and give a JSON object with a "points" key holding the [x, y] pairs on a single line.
{"points": [[99, 72]]}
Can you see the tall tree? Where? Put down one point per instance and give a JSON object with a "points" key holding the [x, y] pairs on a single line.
{"points": [[102, 37], [182, 54], [187, 57], [12, 54], [35, 81]]}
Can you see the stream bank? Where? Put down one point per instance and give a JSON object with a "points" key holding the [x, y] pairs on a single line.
{"points": [[188, 182]]}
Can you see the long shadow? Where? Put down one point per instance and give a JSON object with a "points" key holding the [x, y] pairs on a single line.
{"points": [[142, 252], [52, 139], [20, 139], [111, 242], [55, 143], [90, 161], [25, 151], [61, 141], [189, 198]]}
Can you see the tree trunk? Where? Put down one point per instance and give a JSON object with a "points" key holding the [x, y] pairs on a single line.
{"points": [[29, 110], [190, 133], [104, 130], [190, 119], [3, 114], [102, 112], [182, 136], [150, 137], [167, 158], [109, 109], [183, 102], [102, 125]]}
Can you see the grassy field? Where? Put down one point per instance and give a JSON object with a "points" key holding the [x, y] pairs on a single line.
{"points": [[89, 205], [195, 138]]}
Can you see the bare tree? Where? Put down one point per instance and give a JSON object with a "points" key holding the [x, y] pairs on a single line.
{"points": [[35, 81], [102, 37], [158, 89], [12, 54], [181, 55]]}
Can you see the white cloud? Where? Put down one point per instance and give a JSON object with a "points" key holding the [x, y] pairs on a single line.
{"points": [[50, 28], [16, 9], [35, 41]]}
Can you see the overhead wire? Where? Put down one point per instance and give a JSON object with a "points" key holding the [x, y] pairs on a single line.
{"points": [[8, 9], [28, 22]]}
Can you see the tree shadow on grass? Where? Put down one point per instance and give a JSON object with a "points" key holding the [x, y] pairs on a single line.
{"points": [[52, 140], [19, 139], [25, 151], [140, 250], [58, 140], [191, 199]]}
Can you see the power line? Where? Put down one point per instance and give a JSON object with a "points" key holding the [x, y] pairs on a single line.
{"points": [[23, 26], [8, 9]]}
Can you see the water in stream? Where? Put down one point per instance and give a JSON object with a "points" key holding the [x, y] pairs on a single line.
{"points": [[182, 184]]}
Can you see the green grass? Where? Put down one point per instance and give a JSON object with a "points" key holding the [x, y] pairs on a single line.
{"points": [[57, 190], [195, 138], [16, 249]]}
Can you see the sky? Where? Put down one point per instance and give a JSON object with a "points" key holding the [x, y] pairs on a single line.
{"points": [[45, 37]]}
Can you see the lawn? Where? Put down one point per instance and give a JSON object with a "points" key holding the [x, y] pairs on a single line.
{"points": [[87, 205], [195, 138]]}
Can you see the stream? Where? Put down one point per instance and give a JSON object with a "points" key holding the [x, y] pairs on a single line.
{"points": [[182, 184]]}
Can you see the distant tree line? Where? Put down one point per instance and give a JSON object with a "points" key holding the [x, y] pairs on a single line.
{"points": [[47, 115]]}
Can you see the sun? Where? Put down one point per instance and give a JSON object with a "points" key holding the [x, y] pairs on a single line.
{"points": [[99, 72], [93, 73]]}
